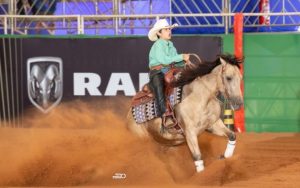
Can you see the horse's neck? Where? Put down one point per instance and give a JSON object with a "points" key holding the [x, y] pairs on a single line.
{"points": [[207, 86]]}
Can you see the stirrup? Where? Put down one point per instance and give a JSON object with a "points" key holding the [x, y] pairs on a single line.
{"points": [[173, 127], [169, 120]]}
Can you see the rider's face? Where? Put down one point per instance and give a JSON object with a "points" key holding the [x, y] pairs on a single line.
{"points": [[165, 34]]}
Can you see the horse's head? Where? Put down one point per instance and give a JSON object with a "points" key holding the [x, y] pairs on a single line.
{"points": [[231, 79], [226, 67]]}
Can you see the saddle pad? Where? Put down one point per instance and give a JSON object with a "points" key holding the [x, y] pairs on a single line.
{"points": [[146, 111]]}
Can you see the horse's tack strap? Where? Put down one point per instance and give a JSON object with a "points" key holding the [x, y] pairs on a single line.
{"points": [[223, 70]]}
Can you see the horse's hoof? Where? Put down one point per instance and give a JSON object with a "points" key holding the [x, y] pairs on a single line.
{"points": [[199, 165], [221, 157], [199, 168]]}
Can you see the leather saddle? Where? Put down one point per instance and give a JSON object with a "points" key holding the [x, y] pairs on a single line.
{"points": [[143, 96], [146, 95]]}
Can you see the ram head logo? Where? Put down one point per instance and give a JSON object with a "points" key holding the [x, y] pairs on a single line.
{"points": [[44, 81]]}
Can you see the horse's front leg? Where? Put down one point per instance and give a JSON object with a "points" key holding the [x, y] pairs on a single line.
{"points": [[192, 141], [220, 129]]}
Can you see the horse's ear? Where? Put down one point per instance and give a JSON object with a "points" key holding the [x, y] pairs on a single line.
{"points": [[223, 62]]}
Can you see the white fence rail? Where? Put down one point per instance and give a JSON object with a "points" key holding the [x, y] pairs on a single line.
{"points": [[81, 23], [134, 17]]}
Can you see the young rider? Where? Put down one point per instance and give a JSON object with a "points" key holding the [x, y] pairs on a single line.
{"points": [[162, 55]]}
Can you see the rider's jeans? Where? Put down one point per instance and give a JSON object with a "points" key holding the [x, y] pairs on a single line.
{"points": [[157, 87]]}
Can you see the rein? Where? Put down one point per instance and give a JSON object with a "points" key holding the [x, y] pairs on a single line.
{"points": [[190, 64], [226, 95]]}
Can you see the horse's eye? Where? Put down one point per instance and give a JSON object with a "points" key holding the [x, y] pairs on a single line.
{"points": [[228, 78]]}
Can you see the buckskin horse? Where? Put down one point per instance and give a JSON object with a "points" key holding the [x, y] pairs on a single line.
{"points": [[199, 109]]}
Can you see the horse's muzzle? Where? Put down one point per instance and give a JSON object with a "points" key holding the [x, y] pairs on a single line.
{"points": [[237, 103]]}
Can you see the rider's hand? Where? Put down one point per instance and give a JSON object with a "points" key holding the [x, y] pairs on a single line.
{"points": [[186, 57]]}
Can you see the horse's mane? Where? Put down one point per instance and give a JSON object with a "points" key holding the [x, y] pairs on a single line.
{"points": [[190, 74]]}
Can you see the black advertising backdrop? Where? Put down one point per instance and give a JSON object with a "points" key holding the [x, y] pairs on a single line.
{"points": [[101, 56]]}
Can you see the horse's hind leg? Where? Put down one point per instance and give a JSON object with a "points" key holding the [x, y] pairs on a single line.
{"points": [[220, 129]]}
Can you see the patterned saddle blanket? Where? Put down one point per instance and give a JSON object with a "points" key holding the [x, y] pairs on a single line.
{"points": [[143, 105]]}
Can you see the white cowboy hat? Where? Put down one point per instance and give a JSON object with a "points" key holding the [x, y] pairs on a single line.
{"points": [[160, 24]]}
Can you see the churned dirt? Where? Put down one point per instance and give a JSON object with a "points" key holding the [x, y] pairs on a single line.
{"points": [[86, 143]]}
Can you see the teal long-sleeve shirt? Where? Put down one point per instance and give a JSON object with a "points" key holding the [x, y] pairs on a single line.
{"points": [[163, 52]]}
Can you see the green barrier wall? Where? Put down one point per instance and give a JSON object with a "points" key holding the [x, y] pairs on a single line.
{"points": [[272, 81]]}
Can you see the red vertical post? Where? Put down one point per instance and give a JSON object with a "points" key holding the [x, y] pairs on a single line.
{"points": [[239, 115]]}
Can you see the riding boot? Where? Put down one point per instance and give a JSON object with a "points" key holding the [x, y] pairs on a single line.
{"points": [[156, 84], [157, 87]]}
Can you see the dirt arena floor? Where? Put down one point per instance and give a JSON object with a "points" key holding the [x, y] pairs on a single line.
{"points": [[85, 144]]}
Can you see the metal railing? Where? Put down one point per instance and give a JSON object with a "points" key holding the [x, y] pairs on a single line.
{"points": [[81, 7], [80, 23], [128, 17]]}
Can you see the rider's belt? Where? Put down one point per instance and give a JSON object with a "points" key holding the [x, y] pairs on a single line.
{"points": [[158, 67]]}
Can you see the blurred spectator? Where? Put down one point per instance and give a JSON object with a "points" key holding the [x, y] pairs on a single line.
{"points": [[38, 7], [45, 7]]}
